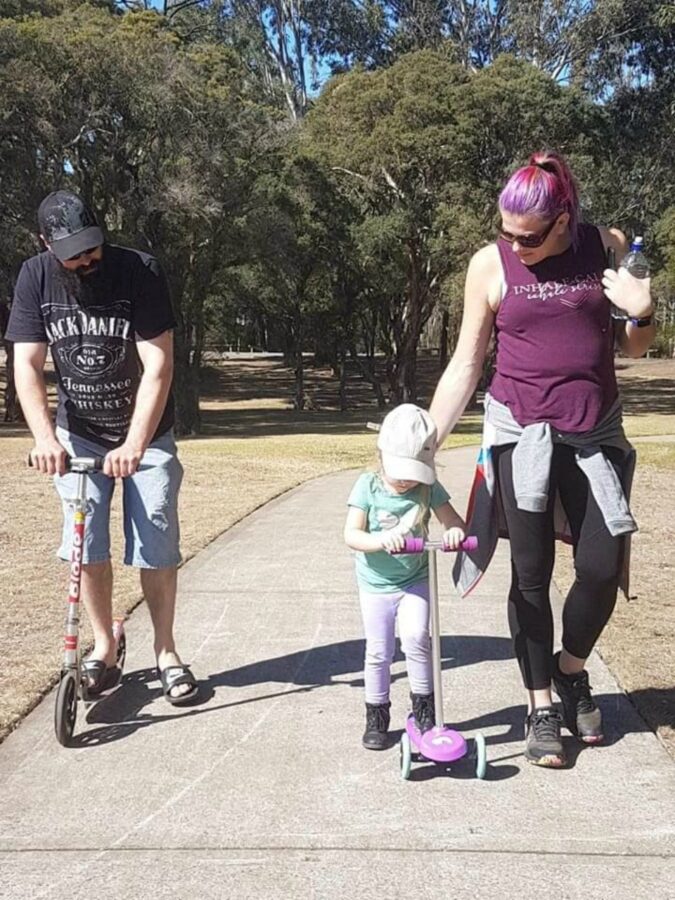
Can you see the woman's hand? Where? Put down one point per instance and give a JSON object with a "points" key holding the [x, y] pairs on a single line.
{"points": [[453, 537], [629, 293]]}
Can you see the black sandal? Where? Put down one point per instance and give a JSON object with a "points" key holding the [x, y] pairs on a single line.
{"points": [[171, 677], [99, 678]]}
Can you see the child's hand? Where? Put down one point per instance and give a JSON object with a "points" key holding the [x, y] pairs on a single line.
{"points": [[394, 540], [453, 537]]}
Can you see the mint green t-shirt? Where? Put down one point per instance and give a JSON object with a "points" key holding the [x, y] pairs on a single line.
{"points": [[379, 571]]}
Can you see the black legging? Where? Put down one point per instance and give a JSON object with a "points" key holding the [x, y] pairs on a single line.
{"points": [[597, 558]]}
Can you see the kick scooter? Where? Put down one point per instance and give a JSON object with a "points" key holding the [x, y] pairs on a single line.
{"points": [[440, 744], [73, 684]]}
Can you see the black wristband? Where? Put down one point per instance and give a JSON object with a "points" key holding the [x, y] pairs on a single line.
{"points": [[641, 323]]}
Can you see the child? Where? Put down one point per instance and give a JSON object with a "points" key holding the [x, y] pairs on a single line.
{"points": [[384, 508]]}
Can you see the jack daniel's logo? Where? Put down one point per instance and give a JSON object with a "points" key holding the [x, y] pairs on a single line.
{"points": [[80, 324]]}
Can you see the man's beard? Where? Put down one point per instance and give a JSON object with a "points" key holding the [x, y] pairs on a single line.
{"points": [[84, 288]]}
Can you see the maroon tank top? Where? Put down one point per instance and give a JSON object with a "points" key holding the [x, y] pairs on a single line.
{"points": [[555, 338]]}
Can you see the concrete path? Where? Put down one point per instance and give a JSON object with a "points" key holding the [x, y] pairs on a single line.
{"points": [[263, 790]]}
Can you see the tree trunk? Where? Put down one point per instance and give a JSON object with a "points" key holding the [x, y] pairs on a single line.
{"points": [[186, 383], [367, 369], [12, 408], [342, 371], [299, 399], [13, 412], [443, 346]]}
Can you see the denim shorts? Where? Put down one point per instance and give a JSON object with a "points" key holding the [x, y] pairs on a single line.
{"points": [[150, 502]]}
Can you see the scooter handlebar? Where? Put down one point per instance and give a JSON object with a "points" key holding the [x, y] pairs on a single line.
{"points": [[420, 545], [78, 463]]}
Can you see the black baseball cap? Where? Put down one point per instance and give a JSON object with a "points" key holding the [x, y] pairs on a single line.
{"points": [[68, 225]]}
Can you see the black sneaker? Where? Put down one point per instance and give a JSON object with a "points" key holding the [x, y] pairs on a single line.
{"points": [[543, 746], [377, 725], [582, 716], [423, 710]]}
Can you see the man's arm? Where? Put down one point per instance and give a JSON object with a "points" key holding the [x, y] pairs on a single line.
{"points": [[156, 357], [29, 362]]}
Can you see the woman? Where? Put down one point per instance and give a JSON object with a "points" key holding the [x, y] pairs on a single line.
{"points": [[553, 439]]}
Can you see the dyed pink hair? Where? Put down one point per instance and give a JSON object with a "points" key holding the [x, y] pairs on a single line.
{"points": [[545, 187]]}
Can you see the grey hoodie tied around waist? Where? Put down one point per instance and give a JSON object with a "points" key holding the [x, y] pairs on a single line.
{"points": [[533, 452], [531, 467]]}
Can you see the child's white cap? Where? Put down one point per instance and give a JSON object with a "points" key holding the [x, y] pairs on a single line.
{"points": [[407, 442]]}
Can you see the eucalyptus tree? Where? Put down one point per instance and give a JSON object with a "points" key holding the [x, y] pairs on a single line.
{"points": [[421, 148]]}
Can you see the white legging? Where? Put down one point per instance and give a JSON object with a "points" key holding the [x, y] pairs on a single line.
{"points": [[380, 611]]}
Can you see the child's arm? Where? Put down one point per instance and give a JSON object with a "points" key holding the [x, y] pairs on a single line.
{"points": [[453, 523], [358, 538], [356, 535]]}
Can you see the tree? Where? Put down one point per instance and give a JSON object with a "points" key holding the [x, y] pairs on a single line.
{"points": [[162, 139], [421, 149]]}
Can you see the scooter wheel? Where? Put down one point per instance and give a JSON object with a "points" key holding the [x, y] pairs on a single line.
{"points": [[121, 650], [481, 756], [65, 712], [405, 755]]}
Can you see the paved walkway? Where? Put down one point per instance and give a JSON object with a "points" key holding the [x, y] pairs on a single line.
{"points": [[264, 791]]}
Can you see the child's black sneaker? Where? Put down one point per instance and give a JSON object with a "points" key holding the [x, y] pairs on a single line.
{"points": [[377, 726], [543, 745], [582, 716], [423, 711]]}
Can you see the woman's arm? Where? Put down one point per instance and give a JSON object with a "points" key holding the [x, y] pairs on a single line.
{"points": [[630, 294], [481, 298]]}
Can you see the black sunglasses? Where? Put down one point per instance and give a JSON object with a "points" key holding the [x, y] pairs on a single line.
{"points": [[84, 253], [527, 240]]}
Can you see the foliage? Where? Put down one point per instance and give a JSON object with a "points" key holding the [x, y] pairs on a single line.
{"points": [[336, 214]]}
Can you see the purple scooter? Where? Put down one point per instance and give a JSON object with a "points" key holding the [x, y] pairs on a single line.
{"points": [[440, 744]]}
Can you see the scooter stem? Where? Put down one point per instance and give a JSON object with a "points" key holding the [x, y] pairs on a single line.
{"points": [[435, 638]]}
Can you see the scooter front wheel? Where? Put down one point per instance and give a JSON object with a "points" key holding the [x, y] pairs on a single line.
{"points": [[121, 650], [481, 756], [65, 712], [406, 755]]}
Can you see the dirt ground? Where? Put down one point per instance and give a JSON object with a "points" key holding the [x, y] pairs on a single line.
{"points": [[248, 421]]}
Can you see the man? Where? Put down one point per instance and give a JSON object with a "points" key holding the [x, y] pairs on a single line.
{"points": [[104, 312]]}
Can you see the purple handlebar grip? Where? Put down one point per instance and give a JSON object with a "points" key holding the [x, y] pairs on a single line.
{"points": [[470, 543], [413, 545], [416, 545]]}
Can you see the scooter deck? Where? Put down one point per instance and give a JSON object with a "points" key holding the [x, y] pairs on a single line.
{"points": [[440, 744]]}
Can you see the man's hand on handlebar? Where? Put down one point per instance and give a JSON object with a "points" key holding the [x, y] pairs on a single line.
{"points": [[122, 462], [49, 457]]}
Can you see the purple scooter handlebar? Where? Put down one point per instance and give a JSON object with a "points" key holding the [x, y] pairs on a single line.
{"points": [[420, 545]]}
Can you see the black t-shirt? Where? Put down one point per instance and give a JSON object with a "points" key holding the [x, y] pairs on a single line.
{"points": [[91, 324]]}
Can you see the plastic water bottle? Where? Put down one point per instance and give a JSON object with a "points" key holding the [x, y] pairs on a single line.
{"points": [[636, 263], [635, 260]]}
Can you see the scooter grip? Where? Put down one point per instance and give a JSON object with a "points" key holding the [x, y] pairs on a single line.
{"points": [[416, 545], [413, 545]]}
